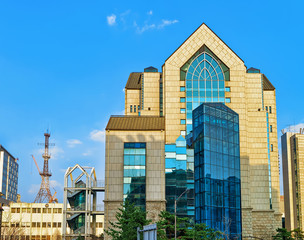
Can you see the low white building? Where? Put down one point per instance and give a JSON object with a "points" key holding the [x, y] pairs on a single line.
{"points": [[37, 221]]}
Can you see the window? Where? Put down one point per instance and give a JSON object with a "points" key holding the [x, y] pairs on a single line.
{"points": [[54, 225], [266, 108], [182, 100], [271, 147], [183, 133], [227, 89], [38, 224], [182, 110], [270, 109], [55, 210], [44, 225], [134, 108], [44, 210], [130, 108], [59, 225], [183, 121], [270, 128], [182, 89], [228, 100], [138, 107], [59, 210]]}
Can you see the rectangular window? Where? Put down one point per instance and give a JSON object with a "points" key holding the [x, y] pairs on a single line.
{"points": [[227, 89], [270, 128], [182, 99], [183, 121], [138, 107], [270, 109], [182, 89], [228, 100], [266, 108], [182, 110], [130, 108], [134, 187], [183, 133], [271, 147], [134, 108]]}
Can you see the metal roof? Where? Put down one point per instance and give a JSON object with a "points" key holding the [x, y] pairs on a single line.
{"points": [[267, 84], [134, 81], [130, 123]]}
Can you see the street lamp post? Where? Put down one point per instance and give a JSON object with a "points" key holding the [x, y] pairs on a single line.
{"points": [[175, 201]]}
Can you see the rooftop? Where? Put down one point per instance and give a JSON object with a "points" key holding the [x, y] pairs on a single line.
{"points": [[130, 123]]}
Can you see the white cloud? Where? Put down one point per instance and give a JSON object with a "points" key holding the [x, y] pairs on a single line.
{"points": [[146, 27], [87, 153], [56, 185], [294, 128], [166, 23], [97, 135], [73, 142], [56, 152], [150, 12], [34, 189], [111, 19]]}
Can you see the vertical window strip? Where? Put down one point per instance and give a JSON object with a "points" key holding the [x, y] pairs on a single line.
{"points": [[269, 162]]}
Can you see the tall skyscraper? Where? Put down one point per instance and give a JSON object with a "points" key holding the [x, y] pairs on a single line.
{"points": [[8, 175], [158, 120], [293, 179]]}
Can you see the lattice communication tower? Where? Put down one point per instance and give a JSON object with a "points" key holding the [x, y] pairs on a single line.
{"points": [[44, 194]]}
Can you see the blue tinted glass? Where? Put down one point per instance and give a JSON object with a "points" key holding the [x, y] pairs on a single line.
{"points": [[182, 100], [169, 148], [182, 89], [182, 110], [183, 121]]}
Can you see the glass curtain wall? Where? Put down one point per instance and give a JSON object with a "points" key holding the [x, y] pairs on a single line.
{"points": [[135, 173], [217, 168], [178, 171]]}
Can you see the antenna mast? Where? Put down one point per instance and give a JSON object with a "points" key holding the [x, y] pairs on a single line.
{"points": [[44, 194]]}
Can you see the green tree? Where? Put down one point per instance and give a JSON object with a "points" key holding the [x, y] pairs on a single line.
{"points": [[297, 234], [184, 227], [283, 234], [128, 219], [166, 225], [200, 231]]}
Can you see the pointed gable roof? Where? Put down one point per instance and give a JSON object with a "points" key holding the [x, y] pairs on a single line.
{"points": [[203, 35]]}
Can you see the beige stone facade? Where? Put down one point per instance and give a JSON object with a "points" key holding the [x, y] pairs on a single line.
{"points": [[293, 179], [155, 170], [251, 95]]}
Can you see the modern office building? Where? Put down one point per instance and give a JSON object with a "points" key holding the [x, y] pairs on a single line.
{"points": [[8, 175], [36, 221], [149, 153], [293, 179]]}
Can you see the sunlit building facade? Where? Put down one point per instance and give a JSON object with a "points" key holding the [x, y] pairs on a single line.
{"points": [[8, 175], [159, 113], [293, 178]]}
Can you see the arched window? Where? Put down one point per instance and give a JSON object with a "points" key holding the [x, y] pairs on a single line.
{"points": [[205, 77]]}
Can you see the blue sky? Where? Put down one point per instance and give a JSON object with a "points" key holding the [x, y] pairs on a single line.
{"points": [[64, 64]]}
